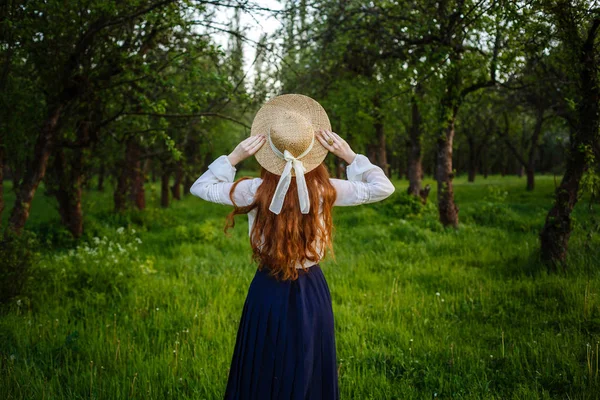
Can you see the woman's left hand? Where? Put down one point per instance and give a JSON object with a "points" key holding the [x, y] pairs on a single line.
{"points": [[246, 148]]}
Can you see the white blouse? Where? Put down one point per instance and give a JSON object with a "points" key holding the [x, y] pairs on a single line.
{"points": [[367, 183]]}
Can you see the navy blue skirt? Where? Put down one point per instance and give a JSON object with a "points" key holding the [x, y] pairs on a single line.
{"points": [[285, 345]]}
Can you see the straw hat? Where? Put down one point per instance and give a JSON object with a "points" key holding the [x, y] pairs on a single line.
{"points": [[290, 123]]}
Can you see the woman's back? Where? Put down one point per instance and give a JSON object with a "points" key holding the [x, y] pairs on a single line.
{"points": [[366, 183]]}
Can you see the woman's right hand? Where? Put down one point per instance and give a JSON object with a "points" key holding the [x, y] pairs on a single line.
{"points": [[338, 146]]}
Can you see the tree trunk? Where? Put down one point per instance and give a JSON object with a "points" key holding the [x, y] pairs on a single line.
{"points": [[164, 187], [68, 190], [530, 167], [530, 178], [136, 178], [35, 171], [126, 180], [415, 167], [485, 163], [555, 235], [101, 178], [372, 153], [381, 152], [448, 210], [527, 166], [381, 148], [472, 159], [339, 169], [176, 188], [120, 194], [557, 228], [187, 183], [153, 172]]}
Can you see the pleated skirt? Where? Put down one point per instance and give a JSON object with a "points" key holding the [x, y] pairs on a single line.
{"points": [[285, 344]]}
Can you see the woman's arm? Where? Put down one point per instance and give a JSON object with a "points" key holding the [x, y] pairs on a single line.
{"points": [[367, 183], [215, 184]]}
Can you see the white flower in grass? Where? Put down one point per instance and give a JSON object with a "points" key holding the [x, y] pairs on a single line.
{"points": [[437, 293], [120, 230], [138, 240]]}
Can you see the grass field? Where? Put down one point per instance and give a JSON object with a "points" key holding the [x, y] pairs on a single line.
{"points": [[150, 311]]}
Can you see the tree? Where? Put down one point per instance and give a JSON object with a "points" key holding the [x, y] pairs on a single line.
{"points": [[576, 27]]}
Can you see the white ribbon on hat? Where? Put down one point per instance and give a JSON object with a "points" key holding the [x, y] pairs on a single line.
{"points": [[286, 178]]}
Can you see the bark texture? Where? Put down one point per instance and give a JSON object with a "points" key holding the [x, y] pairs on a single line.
{"points": [[557, 229], [35, 171], [415, 167]]}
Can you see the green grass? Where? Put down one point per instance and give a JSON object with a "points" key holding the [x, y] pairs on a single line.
{"points": [[420, 311]]}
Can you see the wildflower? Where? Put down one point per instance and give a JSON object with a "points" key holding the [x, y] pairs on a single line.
{"points": [[138, 240], [437, 293], [120, 230], [19, 303]]}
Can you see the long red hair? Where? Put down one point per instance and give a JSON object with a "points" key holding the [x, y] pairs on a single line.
{"points": [[290, 236]]}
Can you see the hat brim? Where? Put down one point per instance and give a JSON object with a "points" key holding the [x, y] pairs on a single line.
{"points": [[304, 105]]}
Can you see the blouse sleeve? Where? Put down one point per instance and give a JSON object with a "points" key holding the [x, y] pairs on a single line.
{"points": [[367, 183], [215, 184]]}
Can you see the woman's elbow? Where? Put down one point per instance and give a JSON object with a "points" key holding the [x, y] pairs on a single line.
{"points": [[198, 191], [389, 189]]}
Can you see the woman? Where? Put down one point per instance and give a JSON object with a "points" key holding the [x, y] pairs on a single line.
{"points": [[285, 346]]}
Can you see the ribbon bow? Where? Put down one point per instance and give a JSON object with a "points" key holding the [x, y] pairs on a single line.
{"points": [[286, 178]]}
